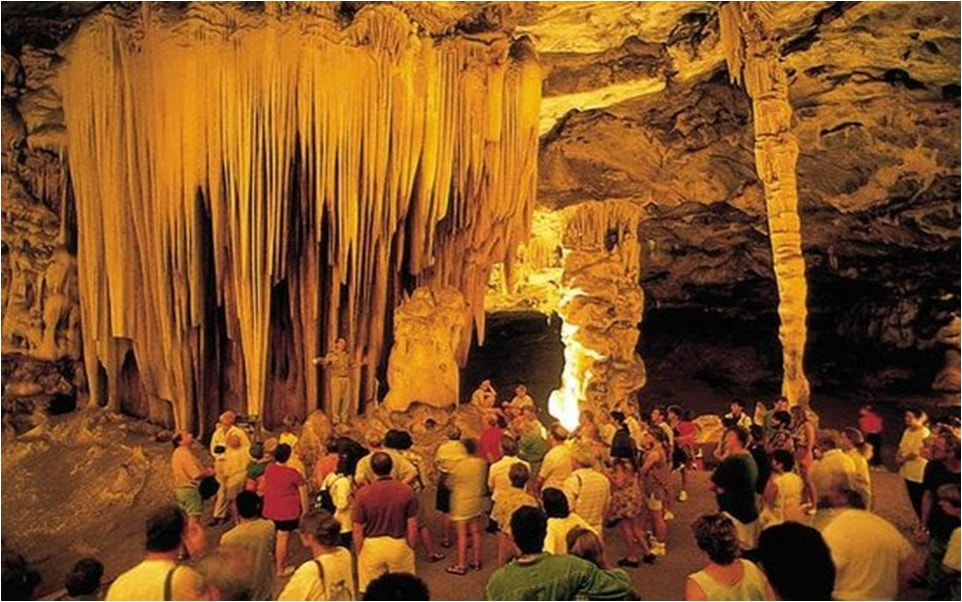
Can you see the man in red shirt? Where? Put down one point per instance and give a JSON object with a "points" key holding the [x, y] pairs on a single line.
{"points": [[490, 439], [385, 518], [870, 423]]}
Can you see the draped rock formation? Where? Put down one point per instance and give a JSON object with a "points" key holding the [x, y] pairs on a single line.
{"points": [[251, 186], [601, 308], [754, 59]]}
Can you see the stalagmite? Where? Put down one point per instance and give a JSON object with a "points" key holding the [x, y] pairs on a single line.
{"points": [[754, 58], [224, 159], [601, 308]]}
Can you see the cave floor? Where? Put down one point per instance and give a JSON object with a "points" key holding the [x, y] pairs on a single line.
{"points": [[86, 487]]}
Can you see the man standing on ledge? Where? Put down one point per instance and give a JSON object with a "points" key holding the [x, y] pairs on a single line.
{"points": [[339, 363]]}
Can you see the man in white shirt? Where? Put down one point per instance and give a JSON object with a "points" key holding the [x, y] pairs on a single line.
{"points": [[498, 472], [737, 415], [403, 470], [226, 430], [833, 470], [588, 490], [328, 575], [521, 400], [158, 576], [873, 560], [556, 465]]}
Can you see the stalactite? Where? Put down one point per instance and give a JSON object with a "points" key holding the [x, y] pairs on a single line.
{"points": [[330, 158], [754, 59]]}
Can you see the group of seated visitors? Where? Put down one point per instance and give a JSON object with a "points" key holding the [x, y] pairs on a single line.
{"points": [[783, 488]]}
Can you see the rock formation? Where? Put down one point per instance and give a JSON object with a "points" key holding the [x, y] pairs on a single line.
{"points": [[423, 366]]}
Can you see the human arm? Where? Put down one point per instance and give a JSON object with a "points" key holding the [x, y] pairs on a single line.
{"points": [[302, 494], [771, 492], [358, 533], [927, 503], [693, 591], [597, 584], [412, 532]]}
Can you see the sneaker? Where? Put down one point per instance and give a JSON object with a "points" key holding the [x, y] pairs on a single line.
{"points": [[648, 558], [658, 549], [669, 516], [682, 496], [628, 563]]}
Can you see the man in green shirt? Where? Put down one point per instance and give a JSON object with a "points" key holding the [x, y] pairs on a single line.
{"points": [[536, 575]]}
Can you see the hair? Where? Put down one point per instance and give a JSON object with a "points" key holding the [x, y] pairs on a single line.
{"points": [[453, 433], [283, 453], [529, 525], [740, 433], [782, 418], [558, 432], [952, 444], [323, 527], [781, 546], [84, 578], [785, 458], [518, 474], [716, 536], [949, 492], [855, 436], [677, 410], [19, 579], [397, 586], [509, 445], [470, 446], [381, 464], [798, 413], [229, 570], [780, 399], [398, 439], [555, 503], [737, 402], [249, 504], [165, 529], [586, 544], [659, 409], [918, 413], [619, 417], [176, 439], [827, 439]]}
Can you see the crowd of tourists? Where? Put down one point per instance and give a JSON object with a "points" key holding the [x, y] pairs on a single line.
{"points": [[783, 489]]}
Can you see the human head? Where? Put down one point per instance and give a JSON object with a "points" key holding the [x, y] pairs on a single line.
{"points": [[736, 439], [781, 404], [340, 345], [783, 460], [914, 417], [470, 446], [454, 433], [182, 439], [737, 407], [586, 545], [557, 433], [781, 546], [331, 445], [781, 419], [485, 384], [84, 578], [249, 505], [798, 415], [555, 503], [520, 390], [827, 440], [321, 527], [657, 415], [944, 447], [518, 475], [852, 438], [582, 456], [715, 535], [948, 498], [509, 445], [491, 419], [381, 464], [270, 446], [228, 573], [228, 418], [528, 528], [398, 439], [374, 438], [397, 586], [19, 580], [675, 413], [165, 529], [618, 417], [282, 454]]}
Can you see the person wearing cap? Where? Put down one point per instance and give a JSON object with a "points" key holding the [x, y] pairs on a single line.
{"points": [[226, 429]]}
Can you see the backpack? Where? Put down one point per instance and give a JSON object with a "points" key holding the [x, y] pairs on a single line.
{"points": [[325, 501], [335, 591]]}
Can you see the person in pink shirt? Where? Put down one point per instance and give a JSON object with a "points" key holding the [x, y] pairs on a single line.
{"points": [[490, 439], [870, 423], [285, 501]]}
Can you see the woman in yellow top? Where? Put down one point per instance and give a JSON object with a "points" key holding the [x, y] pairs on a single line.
{"points": [[467, 481]]}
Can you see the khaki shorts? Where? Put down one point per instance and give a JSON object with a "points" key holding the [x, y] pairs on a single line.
{"points": [[381, 555], [188, 498]]}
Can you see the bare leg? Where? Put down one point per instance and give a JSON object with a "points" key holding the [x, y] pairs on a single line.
{"points": [[475, 525], [280, 551], [427, 540], [637, 526], [628, 534], [445, 530], [658, 525], [461, 527]]}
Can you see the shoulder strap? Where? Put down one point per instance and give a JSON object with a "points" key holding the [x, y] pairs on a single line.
{"points": [[169, 584], [320, 572]]}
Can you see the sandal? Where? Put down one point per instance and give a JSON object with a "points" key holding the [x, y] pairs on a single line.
{"points": [[445, 543], [436, 557], [457, 569], [475, 567], [628, 563]]}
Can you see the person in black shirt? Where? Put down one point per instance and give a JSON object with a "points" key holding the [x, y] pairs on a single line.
{"points": [[734, 485], [943, 468]]}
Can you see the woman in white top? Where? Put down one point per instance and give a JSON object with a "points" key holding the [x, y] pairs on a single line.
{"points": [[340, 486], [328, 575], [725, 577], [909, 456], [783, 494], [561, 521]]}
